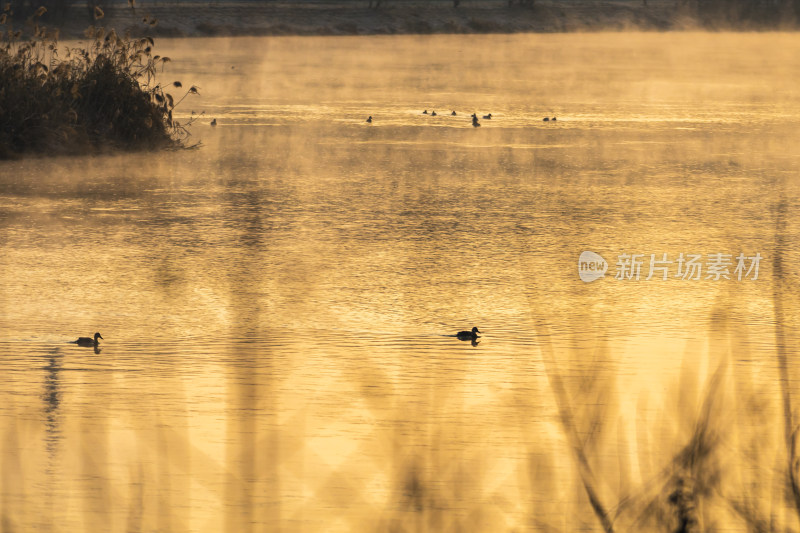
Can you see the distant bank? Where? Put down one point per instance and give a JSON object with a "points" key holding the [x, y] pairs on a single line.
{"points": [[356, 17]]}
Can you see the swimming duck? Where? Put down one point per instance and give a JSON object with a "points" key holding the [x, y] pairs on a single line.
{"points": [[453, 114], [370, 119], [433, 114], [213, 123], [546, 119], [468, 335], [488, 117], [554, 119], [88, 341], [425, 112], [475, 123]]}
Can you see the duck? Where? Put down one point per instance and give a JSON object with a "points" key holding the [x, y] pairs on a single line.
{"points": [[468, 335], [88, 341], [425, 112], [554, 119], [214, 122], [453, 114], [475, 123], [370, 119], [546, 119], [488, 117], [433, 114]]}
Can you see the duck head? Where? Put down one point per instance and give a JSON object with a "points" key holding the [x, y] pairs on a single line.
{"points": [[475, 330], [97, 336]]}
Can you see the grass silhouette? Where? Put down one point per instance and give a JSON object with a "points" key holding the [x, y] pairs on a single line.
{"points": [[103, 96]]}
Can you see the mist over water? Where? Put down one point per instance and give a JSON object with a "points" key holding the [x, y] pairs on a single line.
{"points": [[276, 305]]}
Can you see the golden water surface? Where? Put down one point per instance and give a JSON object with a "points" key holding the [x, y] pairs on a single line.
{"points": [[276, 305]]}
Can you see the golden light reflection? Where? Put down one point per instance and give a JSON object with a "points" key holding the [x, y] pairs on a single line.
{"points": [[278, 307]]}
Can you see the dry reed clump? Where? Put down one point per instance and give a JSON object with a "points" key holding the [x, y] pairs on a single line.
{"points": [[98, 97]]}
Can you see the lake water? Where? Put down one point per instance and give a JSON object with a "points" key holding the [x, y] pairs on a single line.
{"points": [[276, 305]]}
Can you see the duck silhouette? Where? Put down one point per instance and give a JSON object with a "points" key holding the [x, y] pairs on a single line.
{"points": [[488, 117], [433, 114], [453, 114], [88, 341], [554, 119], [425, 112], [370, 119], [468, 335], [546, 119], [213, 123], [475, 123]]}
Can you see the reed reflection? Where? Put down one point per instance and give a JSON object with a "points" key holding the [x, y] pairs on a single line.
{"points": [[254, 450], [53, 432], [283, 301], [52, 401]]}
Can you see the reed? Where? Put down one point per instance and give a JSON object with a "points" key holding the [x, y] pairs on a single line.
{"points": [[102, 96]]}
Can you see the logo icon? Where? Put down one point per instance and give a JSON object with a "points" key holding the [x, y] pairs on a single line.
{"points": [[591, 266]]}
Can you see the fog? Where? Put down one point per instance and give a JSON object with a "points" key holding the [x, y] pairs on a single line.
{"points": [[278, 305]]}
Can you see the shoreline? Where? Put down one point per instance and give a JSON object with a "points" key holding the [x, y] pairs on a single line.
{"points": [[407, 18]]}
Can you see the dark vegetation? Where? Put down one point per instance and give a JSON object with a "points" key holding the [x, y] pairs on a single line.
{"points": [[377, 3], [724, 10], [103, 96], [711, 13], [181, 18]]}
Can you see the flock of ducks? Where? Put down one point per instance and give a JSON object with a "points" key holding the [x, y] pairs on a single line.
{"points": [[475, 123]]}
